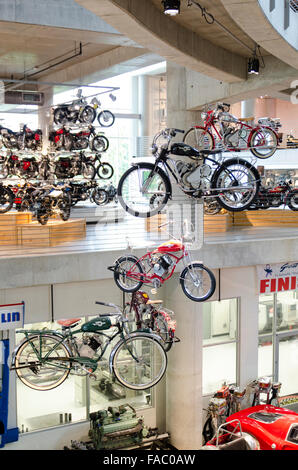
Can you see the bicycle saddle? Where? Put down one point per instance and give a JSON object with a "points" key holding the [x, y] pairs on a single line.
{"points": [[69, 322], [153, 302]]}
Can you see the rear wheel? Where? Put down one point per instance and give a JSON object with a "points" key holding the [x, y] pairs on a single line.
{"points": [[292, 200], [162, 327], [87, 115], [199, 138], [88, 171], [264, 143], [6, 199], [139, 361], [39, 373], [197, 282], [131, 282], [100, 144]]}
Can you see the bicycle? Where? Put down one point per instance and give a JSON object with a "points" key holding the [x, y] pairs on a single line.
{"points": [[45, 358], [141, 312], [157, 266]]}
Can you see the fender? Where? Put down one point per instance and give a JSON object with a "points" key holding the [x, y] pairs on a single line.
{"points": [[232, 161]]}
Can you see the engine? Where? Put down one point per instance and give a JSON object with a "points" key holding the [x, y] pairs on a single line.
{"points": [[89, 345], [195, 176], [162, 265]]}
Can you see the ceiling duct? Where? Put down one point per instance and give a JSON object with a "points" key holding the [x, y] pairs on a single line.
{"points": [[24, 97]]}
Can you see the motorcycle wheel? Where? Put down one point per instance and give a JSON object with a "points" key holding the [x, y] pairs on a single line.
{"points": [[292, 200], [235, 173], [139, 203], [257, 140], [87, 115], [123, 264], [68, 142], [42, 217], [3, 171], [64, 208], [105, 171], [100, 196], [6, 199], [88, 171], [106, 118], [60, 116], [81, 144], [100, 144], [197, 282], [199, 138]]}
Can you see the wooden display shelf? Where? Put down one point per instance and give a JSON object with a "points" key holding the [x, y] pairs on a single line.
{"points": [[265, 218], [217, 223], [54, 233], [9, 223], [152, 223]]}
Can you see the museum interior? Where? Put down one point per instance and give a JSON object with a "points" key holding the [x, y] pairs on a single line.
{"points": [[187, 276]]}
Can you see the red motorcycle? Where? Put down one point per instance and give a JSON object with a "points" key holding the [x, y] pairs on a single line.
{"points": [[63, 138], [282, 194], [157, 266], [11, 164], [233, 134]]}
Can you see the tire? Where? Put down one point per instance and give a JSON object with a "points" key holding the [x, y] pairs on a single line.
{"points": [[162, 328], [232, 174], [106, 118], [133, 200], [88, 115], [271, 140], [212, 206], [99, 196], [292, 200], [139, 361], [60, 116], [42, 217], [122, 281], [206, 281], [105, 171], [199, 138], [3, 171], [64, 208], [42, 377], [6, 199], [88, 171], [100, 144]]}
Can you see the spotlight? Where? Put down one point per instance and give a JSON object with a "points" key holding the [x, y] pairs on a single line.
{"points": [[253, 66], [171, 7], [113, 97]]}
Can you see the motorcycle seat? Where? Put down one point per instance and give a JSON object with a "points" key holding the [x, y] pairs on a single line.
{"points": [[69, 322]]}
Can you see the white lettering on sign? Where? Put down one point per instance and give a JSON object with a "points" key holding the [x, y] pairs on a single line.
{"points": [[277, 277]]}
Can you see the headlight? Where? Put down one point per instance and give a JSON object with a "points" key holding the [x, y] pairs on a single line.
{"points": [[154, 148], [204, 116]]}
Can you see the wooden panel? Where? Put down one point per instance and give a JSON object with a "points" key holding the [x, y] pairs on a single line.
{"points": [[217, 223], [54, 233], [266, 218], [152, 223], [9, 223]]}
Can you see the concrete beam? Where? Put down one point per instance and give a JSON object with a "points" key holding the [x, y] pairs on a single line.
{"points": [[149, 27], [251, 18], [275, 77]]}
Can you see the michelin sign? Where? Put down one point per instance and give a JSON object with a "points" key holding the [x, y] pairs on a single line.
{"points": [[12, 316]]}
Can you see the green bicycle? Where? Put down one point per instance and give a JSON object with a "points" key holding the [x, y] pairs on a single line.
{"points": [[45, 358]]}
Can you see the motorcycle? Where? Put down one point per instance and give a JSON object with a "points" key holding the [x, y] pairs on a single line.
{"points": [[145, 188], [6, 199], [50, 200], [71, 166], [64, 139], [11, 164], [23, 195], [104, 170], [104, 195], [234, 134], [105, 117], [77, 111], [282, 194], [26, 139]]}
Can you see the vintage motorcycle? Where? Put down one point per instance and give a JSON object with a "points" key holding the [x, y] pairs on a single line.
{"points": [[74, 165], [105, 194], [234, 134], [157, 266], [89, 190], [76, 111], [49, 200], [25, 167], [23, 195], [282, 194], [145, 188], [6, 198], [25, 139], [104, 170], [64, 139]]}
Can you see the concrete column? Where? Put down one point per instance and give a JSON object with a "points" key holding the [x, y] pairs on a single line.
{"points": [[248, 108], [45, 117]]}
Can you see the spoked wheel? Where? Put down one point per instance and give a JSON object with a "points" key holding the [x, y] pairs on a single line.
{"points": [[263, 143], [292, 200], [87, 115], [139, 361], [106, 118], [197, 282], [199, 138], [100, 196], [42, 374], [100, 144], [238, 184], [162, 327], [60, 116], [105, 171], [88, 171], [6, 199], [130, 264], [64, 208], [144, 190], [42, 217]]}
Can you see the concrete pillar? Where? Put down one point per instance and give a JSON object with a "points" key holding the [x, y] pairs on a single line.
{"points": [[248, 108], [45, 117]]}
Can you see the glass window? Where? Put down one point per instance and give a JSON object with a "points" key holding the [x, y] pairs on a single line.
{"points": [[220, 335], [287, 310], [77, 396], [265, 357], [266, 310]]}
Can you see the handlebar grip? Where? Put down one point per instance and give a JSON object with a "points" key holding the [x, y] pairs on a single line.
{"points": [[179, 130], [106, 304]]}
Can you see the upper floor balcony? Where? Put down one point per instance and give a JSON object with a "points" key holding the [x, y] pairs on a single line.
{"points": [[283, 15]]}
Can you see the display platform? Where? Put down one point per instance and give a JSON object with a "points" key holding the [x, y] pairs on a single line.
{"points": [[9, 223], [54, 233], [265, 218]]}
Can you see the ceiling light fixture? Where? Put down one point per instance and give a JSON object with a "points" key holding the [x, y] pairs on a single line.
{"points": [[171, 7]]}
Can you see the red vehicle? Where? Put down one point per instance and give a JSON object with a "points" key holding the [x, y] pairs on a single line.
{"points": [[271, 427], [157, 266], [233, 134]]}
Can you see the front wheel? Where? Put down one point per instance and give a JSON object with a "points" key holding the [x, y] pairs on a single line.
{"points": [[128, 273], [6, 199], [263, 143], [292, 200], [197, 282], [199, 138], [37, 372], [105, 171], [106, 118], [64, 208], [139, 185], [237, 183], [139, 361]]}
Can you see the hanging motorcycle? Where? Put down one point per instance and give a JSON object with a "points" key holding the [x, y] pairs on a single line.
{"points": [[77, 111], [145, 188], [105, 117]]}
